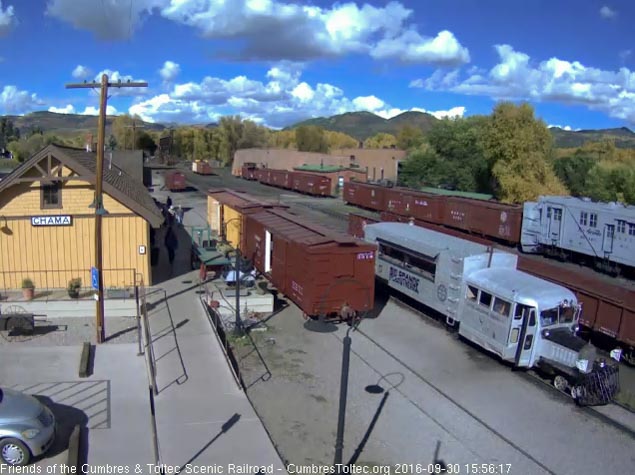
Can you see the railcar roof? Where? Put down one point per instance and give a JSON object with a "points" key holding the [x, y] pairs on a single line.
{"points": [[506, 282], [628, 211], [422, 240]]}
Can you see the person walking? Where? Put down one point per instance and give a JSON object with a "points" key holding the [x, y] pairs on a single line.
{"points": [[171, 244], [179, 215], [168, 202]]}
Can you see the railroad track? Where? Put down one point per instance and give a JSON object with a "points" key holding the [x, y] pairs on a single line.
{"points": [[527, 375]]}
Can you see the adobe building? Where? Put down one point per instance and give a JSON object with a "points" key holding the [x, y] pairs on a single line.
{"points": [[47, 224], [378, 164]]}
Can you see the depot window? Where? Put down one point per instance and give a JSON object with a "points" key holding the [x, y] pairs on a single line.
{"points": [[593, 220], [621, 227], [51, 196], [631, 229], [583, 218]]}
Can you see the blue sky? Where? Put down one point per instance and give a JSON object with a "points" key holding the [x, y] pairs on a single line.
{"points": [[281, 61]]}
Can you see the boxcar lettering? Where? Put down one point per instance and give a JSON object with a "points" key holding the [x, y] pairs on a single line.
{"points": [[296, 287], [365, 255], [402, 279]]}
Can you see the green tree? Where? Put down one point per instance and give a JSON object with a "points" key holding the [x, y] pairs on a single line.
{"points": [[338, 140], [518, 148], [145, 142], [112, 142], [425, 167], [282, 139], [253, 135], [574, 170], [231, 129], [310, 138], [381, 140], [409, 138]]}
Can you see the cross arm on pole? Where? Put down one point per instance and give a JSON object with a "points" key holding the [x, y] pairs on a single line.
{"points": [[92, 85]]}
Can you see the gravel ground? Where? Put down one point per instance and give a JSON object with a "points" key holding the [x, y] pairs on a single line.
{"points": [[74, 331]]}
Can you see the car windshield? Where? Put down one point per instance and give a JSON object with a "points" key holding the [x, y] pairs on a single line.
{"points": [[562, 314]]}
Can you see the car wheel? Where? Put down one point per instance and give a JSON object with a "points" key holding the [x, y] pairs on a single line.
{"points": [[14, 452]]}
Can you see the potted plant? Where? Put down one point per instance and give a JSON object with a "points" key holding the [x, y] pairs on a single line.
{"points": [[74, 286], [28, 289]]}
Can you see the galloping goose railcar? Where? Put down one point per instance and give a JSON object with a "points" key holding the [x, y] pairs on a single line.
{"points": [[523, 319]]}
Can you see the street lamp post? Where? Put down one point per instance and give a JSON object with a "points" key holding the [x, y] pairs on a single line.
{"points": [[238, 325]]}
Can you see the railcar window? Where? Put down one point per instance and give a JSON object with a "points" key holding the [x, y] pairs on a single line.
{"points": [[631, 229], [485, 299], [583, 218], [567, 314], [502, 307], [557, 214], [424, 266], [549, 317], [472, 292], [392, 253], [593, 220], [621, 227]]}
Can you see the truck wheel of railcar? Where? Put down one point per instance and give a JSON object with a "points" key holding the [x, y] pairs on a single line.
{"points": [[561, 384]]}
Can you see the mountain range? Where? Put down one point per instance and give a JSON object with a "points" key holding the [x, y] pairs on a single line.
{"points": [[359, 125]]}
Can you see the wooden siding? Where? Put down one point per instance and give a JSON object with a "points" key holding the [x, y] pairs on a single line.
{"points": [[233, 228], [52, 255], [213, 214]]}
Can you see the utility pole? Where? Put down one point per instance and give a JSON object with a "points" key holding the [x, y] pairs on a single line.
{"points": [[98, 202], [134, 128]]}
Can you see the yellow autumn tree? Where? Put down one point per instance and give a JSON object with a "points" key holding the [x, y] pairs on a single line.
{"points": [[518, 148]]}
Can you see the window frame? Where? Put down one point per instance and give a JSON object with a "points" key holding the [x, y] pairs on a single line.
{"points": [[584, 218], [621, 226], [593, 220], [46, 187]]}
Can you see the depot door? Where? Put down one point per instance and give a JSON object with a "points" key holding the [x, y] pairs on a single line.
{"points": [[607, 242], [523, 334]]}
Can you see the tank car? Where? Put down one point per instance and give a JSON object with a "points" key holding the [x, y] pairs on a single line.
{"points": [[524, 320]]}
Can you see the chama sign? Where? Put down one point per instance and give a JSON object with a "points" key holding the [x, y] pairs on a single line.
{"points": [[62, 220]]}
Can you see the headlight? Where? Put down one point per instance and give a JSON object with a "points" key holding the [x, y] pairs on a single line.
{"points": [[30, 433], [575, 328]]}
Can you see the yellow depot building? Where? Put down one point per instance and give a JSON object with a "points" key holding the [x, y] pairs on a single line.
{"points": [[47, 224]]}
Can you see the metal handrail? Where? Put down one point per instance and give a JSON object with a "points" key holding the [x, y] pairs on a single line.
{"points": [[62, 276]]}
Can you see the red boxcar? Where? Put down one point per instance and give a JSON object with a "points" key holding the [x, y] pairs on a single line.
{"points": [[415, 204], [488, 218], [280, 178], [249, 173], [365, 195], [311, 184], [357, 223], [321, 271], [175, 181]]}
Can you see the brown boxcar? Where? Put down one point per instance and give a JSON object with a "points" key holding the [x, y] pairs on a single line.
{"points": [[365, 195], [280, 178], [226, 211], [249, 173], [175, 181], [311, 184], [357, 223], [416, 204], [488, 218], [319, 270]]}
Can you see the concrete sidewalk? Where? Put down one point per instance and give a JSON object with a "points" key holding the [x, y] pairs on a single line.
{"points": [[198, 394]]}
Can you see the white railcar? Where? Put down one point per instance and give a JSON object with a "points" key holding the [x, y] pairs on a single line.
{"points": [[563, 224], [523, 319]]}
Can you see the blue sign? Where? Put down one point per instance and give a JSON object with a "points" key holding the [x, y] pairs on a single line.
{"points": [[94, 278]]}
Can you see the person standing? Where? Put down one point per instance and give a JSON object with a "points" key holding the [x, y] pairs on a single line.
{"points": [[171, 244], [168, 202], [179, 215]]}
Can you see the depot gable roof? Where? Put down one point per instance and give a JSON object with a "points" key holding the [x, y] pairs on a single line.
{"points": [[117, 183]]}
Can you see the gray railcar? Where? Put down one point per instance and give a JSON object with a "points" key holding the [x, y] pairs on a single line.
{"points": [[525, 320], [603, 231]]}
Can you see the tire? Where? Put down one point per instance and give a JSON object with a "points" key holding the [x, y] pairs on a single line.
{"points": [[14, 452]]}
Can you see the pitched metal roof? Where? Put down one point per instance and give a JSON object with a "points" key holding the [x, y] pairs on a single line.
{"points": [[300, 230], [117, 183], [240, 201]]}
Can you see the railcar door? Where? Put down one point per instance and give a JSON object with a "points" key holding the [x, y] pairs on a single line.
{"points": [[522, 334], [607, 242], [554, 216]]}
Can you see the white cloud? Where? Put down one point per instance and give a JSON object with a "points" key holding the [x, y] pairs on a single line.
{"points": [[369, 103], [170, 71], [116, 76], [625, 54], [107, 19], [15, 101], [91, 110], [275, 29], [517, 77], [68, 109], [81, 72], [443, 50], [7, 19], [607, 12]]}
